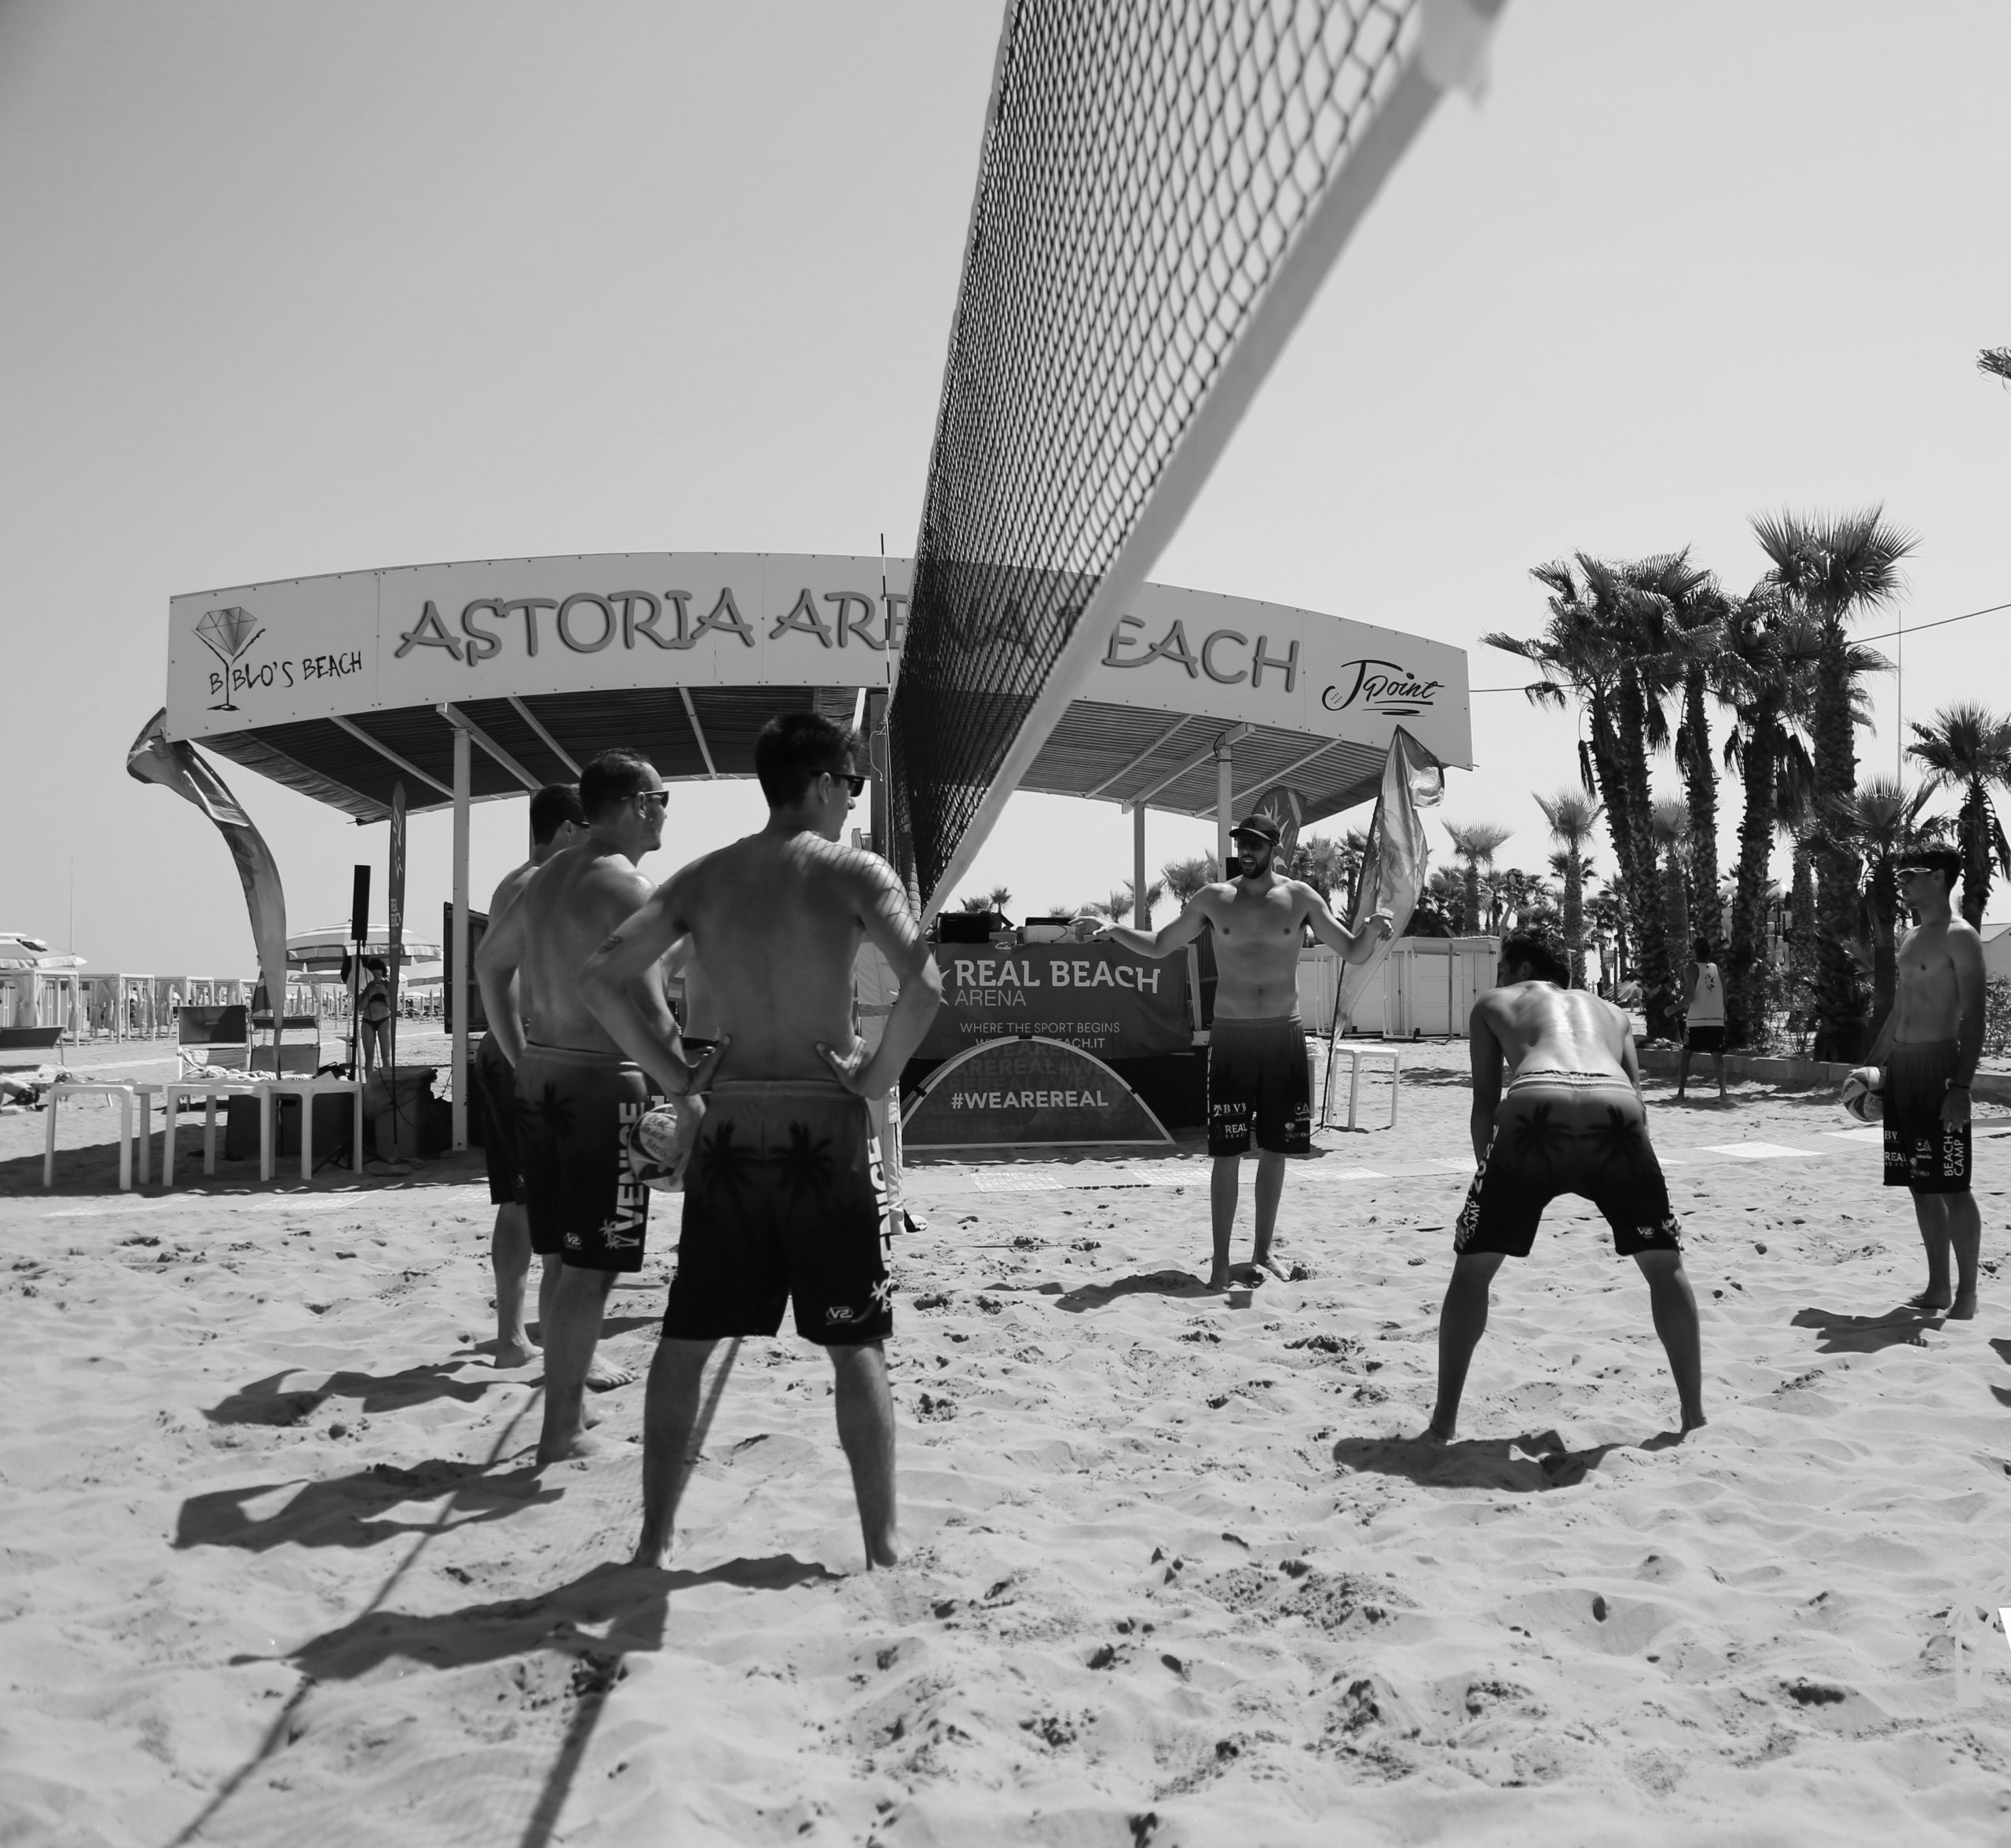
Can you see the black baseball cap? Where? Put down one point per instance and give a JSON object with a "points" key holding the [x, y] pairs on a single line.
{"points": [[1258, 827]]}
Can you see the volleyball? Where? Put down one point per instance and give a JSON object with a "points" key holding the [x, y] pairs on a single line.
{"points": [[1860, 1097], [661, 1142]]}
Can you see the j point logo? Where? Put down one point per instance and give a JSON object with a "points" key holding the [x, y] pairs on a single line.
{"points": [[227, 634], [1380, 687]]}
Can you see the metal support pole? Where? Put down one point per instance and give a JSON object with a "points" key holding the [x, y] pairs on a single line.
{"points": [[462, 986], [1225, 766], [1141, 912]]}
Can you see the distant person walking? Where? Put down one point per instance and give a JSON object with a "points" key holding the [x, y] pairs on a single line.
{"points": [[1703, 1015], [1922, 1064], [1259, 1089], [558, 822]]}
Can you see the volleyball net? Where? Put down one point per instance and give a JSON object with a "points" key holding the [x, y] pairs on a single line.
{"points": [[1162, 186]]}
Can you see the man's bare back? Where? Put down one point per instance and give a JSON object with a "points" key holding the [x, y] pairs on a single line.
{"points": [[567, 908], [775, 922]]}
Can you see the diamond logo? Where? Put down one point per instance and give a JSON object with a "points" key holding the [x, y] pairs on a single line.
{"points": [[227, 634]]}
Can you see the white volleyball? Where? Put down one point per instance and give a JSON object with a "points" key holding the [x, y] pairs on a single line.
{"points": [[661, 1142], [1860, 1097]]}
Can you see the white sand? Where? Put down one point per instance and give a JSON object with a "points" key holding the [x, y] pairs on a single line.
{"points": [[275, 1558]]}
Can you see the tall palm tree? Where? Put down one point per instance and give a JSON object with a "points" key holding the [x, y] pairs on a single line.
{"points": [[1764, 671], [1572, 818], [1968, 748], [1880, 821], [1834, 567], [1122, 901], [1475, 844]]}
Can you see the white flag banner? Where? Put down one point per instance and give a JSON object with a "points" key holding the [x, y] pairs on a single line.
{"points": [[1394, 864]]}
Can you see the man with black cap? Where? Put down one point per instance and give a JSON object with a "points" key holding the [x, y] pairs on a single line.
{"points": [[1258, 1087]]}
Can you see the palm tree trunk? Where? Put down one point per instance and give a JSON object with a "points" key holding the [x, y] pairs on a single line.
{"points": [[1467, 923], [1701, 784], [1745, 990], [1642, 879], [1839, 991], [1975, 827], [1884, 901], [1801, 949], [1574, 913]]}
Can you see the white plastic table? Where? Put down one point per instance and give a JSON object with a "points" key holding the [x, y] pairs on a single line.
{"points": [[306, 1089], [80, 1088], [1376, 1054], [210, 1090]]}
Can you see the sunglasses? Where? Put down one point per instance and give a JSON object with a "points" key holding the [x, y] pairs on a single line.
{"points": [[659, 799], [855, 784]]}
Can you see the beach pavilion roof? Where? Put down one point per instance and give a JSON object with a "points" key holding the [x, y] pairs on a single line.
{"points": [[341, 686]]}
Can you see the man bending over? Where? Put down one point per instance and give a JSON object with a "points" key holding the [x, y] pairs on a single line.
{"points": [[1927, 1054], [1571, 1122], [1258, 1086], [782, 1199], [558, 822], [577, 1097]]}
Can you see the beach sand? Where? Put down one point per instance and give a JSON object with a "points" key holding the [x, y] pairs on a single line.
{"points": [[278, 1570]]}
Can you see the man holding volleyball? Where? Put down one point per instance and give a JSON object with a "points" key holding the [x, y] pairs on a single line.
{"points": [[1921, 1068]]}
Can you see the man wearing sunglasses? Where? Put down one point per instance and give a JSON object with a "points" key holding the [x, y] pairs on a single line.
{"points": [[784, 1199], [577, 1095], [1921, 1065]]}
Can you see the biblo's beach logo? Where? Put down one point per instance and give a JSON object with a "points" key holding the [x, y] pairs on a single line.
{"points": [[227, 634]]}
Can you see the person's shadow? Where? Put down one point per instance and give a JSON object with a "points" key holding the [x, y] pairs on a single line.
{"points": [[271, 1402], [1529, 1464], [1843, 1333], [1156, 1283], [356, 1510]]}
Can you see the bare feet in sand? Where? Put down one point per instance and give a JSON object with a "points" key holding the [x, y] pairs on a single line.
{"points": [[1268, 1266], [516, 1354], [604, 1378], [580, 1446]]}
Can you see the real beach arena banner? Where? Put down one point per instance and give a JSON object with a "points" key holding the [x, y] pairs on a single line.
{"points": [[1100, 997], [1030, 1093]]}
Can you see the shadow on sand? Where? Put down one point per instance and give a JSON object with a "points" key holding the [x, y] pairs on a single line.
{"points": [[1155, 1283], [1866, 1334], [356, 1510], [1529, 1464]]}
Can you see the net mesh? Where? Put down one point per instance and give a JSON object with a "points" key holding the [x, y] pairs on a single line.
{"points": [[1145, 168]]}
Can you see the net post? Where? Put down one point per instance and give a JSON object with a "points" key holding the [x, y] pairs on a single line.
{"points": [[1224, 773], [463, 787], [1141, 910]]}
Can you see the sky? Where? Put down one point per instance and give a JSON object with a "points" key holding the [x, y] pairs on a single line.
{"points": [[295, 289]]}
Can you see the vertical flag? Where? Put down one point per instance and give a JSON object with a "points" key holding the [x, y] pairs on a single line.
{"points": [[395, 878], [174, 763], [1393, 865]]}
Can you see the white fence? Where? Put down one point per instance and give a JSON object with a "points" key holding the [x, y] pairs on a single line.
{"points": [[1427, 986]]}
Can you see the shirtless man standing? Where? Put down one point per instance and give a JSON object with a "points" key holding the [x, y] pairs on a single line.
{"points": [[783, 1198], [1927, 1053], [577, 1098], [1258, 1081], [558, 822], [1571, 1122]]}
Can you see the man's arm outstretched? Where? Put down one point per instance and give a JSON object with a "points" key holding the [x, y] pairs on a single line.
{"points": [[1183, 930], [1353, 945]]}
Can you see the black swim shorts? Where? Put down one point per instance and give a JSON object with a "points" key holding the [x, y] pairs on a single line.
{"points": [[1567, 1132], [784, 1202], [1707, 1036], [1259, 1086], [574, 1112], [1922, 1152], [495, 1084]]}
